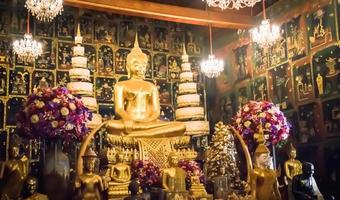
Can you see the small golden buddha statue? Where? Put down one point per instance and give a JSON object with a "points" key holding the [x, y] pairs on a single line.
{"points": [[14, 174], [197, 189], [263, 180], [32, 189], [293, 167], [173, 177], [89, 185], [120, 176], [137, 103]]}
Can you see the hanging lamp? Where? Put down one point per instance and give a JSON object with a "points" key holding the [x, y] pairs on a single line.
{"points": [[266, 34], [44, 10], [212, 67], [231, 4], [27, 49]]}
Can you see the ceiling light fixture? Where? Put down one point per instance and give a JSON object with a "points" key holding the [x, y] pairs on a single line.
{"points": [[231, 4], [44, 10]]}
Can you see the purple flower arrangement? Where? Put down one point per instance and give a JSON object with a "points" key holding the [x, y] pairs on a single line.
{"points": [[191, 168], [274, 123], [54, 113], [147, 173]]}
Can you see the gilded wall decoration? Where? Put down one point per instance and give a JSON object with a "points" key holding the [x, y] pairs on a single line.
{"points": [[4, 19], [47, 60], [243, 95], [280, 86], [167, 113], [195, 67], [144, 36], [193, 42], [127, 33], [42, 79], [174, 63], [148, 72], [44, 29], [86, 28], [164, 89], [321, 26], [105, 61], [107, 112], [65, 54], [303, 82], [307, 126], [228, 106], [326, 67], [331, 116], [161, 39], [259, 89], [260, 59], [104, 89], [105, 30], [159, 66], [120, 61], [62, 78], [296, 38], [241, 63], [278, 52], [90, 53], [65, 26], [176, 39], [5, 55], [19, 81], [14, 105], [3, 80]]}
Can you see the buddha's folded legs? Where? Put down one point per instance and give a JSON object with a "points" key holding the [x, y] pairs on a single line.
{"points": [[158, 128]]}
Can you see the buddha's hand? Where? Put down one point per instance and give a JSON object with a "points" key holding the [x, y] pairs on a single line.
{"points": [[128, 125]]}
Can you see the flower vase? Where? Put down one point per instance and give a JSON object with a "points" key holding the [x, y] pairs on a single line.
{"points": [[56, 171]]}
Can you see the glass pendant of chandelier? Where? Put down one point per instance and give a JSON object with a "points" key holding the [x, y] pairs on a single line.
{"points": [[212, 67], [266, 34], [27, 49], [231, 4], [44, 10]]}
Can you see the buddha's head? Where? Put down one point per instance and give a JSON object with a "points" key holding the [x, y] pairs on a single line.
{"points": [[90, 160], [136, 61], [31, 185], [221, 170], [292, 152], [173, 159], [119, 157], [262, 156]]}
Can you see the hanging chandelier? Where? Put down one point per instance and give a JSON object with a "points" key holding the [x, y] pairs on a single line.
{"points": [[44, 10], [27, 49], [231, 4], [212, 67], [266, 34]]}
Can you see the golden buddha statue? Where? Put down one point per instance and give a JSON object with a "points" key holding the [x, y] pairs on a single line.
{"points": [[137, 103], [293, 167], [89, 185], [319, 82], [173, 177], [120, 176], [263, 180], [14, 173], [197, 189], [32, 189]]}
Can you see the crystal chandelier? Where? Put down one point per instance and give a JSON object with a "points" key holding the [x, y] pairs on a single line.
{"points": [[44, 10], [27, 49], [231, 4], [266, 34], [212, 67]]}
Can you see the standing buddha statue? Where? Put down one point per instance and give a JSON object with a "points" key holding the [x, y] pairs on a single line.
{"points": [[173, 177], [264, 185], [15, 172], [89, 185], [293, 167]]}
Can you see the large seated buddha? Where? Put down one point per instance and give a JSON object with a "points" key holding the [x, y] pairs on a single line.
{"points": [[137, 103]]}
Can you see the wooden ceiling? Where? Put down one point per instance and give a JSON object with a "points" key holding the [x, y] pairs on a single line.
{"points": [[182, 11]]}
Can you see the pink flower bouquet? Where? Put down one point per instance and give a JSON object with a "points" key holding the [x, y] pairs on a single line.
{"points": [[274, 123], [147, 173], [53, 113]]}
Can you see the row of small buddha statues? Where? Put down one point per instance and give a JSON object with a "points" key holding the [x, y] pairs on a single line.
{"points": [[115, 180]]}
